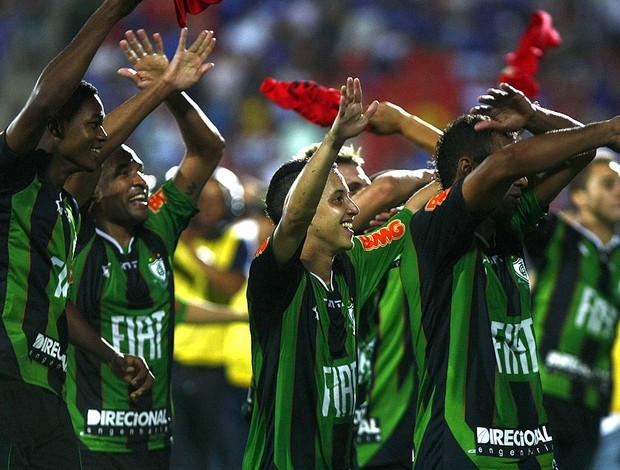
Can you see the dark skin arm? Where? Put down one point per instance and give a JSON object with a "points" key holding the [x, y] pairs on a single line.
{"points": [[159, 81], [130, 369], [204, 144], [510, 110], [62, 75], [487, 183]]}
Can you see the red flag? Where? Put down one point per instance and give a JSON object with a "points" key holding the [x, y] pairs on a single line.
{"points": [[193, 7], [523, 62], [317, 103]]}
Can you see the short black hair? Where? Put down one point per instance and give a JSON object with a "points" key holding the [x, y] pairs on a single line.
{"points": [[83, 91], [460, 139], [279, 186]]}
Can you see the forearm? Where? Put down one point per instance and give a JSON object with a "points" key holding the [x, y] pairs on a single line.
{"points": [[83, 336], [200, 135], [63, 74], [193, 311], [549, 150], [124, 119], [306, 192], [388, 190], [420, 132], [545, 120]]}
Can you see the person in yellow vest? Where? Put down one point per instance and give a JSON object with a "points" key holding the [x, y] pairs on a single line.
{"points": [[210, 263]]}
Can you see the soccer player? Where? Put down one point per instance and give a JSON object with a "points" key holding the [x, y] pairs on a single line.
{"points": [[123, 277], [58, 132], [481, 402], [385, 405], [305, 287], [576, 303]]}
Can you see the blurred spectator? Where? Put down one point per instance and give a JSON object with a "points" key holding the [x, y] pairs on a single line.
{"points": [[210, 263]]}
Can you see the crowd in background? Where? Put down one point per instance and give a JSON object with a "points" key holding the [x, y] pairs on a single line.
{"points": [[432, 58]]}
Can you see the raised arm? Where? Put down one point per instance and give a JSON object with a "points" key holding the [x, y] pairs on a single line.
{"points": [[307, 189], [510, 110], [488, 183], [388, 190], [62, 75], [204, 144], [161, 81], [392, 119]]}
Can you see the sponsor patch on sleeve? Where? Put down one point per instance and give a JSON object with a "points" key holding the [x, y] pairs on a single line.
{"points": [[437, 200], [157, 200], [383, 236]]}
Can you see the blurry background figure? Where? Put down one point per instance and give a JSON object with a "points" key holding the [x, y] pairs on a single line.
{"points": [[575, 303], [210, 262], [576, 300]]}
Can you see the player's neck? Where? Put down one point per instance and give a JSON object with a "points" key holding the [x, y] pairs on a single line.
{"points": [[122, 235], [318, 262]]}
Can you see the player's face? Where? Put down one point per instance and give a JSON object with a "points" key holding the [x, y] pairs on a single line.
{"points": [[508, 205], [354, 176], [212, 205], [601, 195], [83, 135], [333, 221], [122, 191]]}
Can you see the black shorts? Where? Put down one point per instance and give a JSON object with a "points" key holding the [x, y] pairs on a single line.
{"points": [[35, 429], [151, 459]]}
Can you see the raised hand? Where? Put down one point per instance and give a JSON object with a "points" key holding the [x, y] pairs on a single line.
{"points": [[148, 63], [351, 118], [508, 108], [187, 66], [387, 119]]}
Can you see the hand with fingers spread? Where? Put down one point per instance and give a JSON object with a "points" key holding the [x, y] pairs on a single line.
{"points": [[148, 63], [188, 65], [351, 118], [509, 109]]}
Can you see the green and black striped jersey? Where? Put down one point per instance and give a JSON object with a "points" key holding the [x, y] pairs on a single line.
{"points": [[480, 401], [304, 355], [127, 295], [387, 391], [575, 302], [38, 226]]}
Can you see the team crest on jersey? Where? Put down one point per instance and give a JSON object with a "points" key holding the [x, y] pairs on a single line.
{"points": [[437, 200], [520, 269], [157, 200], [383, 236], [158, 268]]}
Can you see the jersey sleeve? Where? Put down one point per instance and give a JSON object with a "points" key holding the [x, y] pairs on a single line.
{"points": [[16, 171], [445, 225], [373, 254], [527, 215], [171, 211], [271, 286]]}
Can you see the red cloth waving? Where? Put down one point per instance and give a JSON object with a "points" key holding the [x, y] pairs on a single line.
{"points": [[523, 62], [193, 7], [317, 103]]}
